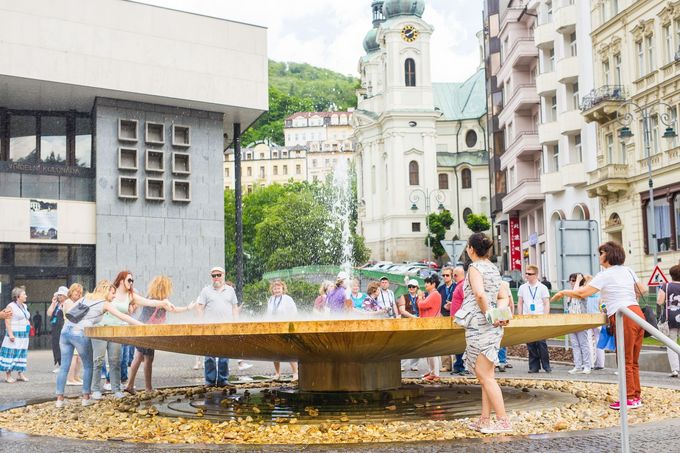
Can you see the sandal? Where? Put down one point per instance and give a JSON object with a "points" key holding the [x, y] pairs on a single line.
{"points": [[22, 379], [130, 391], [10, 380]]}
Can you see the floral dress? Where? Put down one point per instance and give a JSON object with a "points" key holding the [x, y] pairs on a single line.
{"points": [[480, 336]]}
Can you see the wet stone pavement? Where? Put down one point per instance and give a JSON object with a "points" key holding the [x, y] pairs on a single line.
{"points": [[176, 370]]}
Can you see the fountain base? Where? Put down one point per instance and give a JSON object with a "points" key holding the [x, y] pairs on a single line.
{"points": [[349, 376]]}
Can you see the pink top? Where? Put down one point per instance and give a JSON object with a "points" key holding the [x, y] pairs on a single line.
{"points": [[431, 306], [457, 298]]}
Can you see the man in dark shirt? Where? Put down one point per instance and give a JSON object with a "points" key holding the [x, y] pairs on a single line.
{"points": [[446, 291], [547, 283]]}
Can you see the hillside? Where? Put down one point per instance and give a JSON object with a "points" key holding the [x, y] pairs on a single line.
{"points": [[295, 87]]}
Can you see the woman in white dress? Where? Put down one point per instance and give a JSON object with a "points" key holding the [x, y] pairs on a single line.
{"points": [[281, 307]]}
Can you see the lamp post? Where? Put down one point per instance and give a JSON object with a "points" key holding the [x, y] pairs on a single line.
{"points": [[427, 195], [625, 133]]}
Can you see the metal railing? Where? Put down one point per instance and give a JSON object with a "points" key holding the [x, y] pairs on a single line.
{"points": [[604, 93], [621, 364]]}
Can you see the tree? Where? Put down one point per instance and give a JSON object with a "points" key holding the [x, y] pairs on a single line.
{"points": [[439, 224], [478, 222]]}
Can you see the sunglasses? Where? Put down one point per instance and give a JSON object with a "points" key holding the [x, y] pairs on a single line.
{"points": [[572, 280], [411, 286], [130, 281], [602, 252], [215, 275], [530, 273], [446, 275]]}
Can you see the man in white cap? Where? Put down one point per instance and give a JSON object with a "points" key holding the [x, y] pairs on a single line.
{"points": [[217, 303], [56, 315]]}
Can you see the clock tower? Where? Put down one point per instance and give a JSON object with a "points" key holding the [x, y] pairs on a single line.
{"points": [[395, 131]]}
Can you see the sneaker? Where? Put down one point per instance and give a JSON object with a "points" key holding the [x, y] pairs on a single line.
{"points": [[574, 370], [532, 371], [674, 373], [508, 365], [107, 386], [244, 366], [630, 403], [549, 370], [56, 370], [464, 373], [88, 402], [501, 426], [431, 378], [637, 403], [403, 369], [597, 368], [276, 377], [501, 368], [478, 424], [118, 395], [415, 368], [59, 404], [585, 371], [426, 375], [96, 395]]}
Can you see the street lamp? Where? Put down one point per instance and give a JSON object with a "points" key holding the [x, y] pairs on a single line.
{"points": [[427, 195], [625, 133]]}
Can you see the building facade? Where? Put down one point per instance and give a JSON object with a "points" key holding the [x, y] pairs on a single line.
{"points": [[418, 144], [263, 164], [635, 46], [110, 151]]}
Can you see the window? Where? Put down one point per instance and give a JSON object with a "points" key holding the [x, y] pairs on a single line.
{"points": [[649, 40], [555, 157], [415, 227], [22, 139], [605, 73], [226, 172], [654, 132], [313, 163], [262, 173], [511, 178], [410, 72], [553, 108], [572, 45], [575, 97], [466, 214], [578, 149], [443, 181], [466, 178], [662, 220], [83, 142], [261, 155], [668, 43], [640, 58], [617, 69], [275, 170], [413, 176], [622, 153], [249, 171], [471, 138], [53, 139], [610, 148], [285, 169], [298, 169]]}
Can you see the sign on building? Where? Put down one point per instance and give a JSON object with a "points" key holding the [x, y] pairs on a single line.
{"points": [[515, 244], [43, 219]]}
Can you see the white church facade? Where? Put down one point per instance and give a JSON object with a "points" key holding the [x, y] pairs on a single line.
{"points": [[419, 145]]}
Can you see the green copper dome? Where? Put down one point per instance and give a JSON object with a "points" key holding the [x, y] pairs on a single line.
{"points": [[370, 44], [392, 8]]}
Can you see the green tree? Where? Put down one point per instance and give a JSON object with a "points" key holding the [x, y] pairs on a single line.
{"points": [[478, 222], [439, 224]]}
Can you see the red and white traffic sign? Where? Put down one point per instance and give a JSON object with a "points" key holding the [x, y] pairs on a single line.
{"points": [[657, 278]]}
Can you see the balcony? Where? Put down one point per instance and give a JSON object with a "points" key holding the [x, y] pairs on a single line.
{"points": [[602, 103], [567, 70], [524, 97], [525, 144], [573, 174], [606, 180], [570, 122], [523, 196], [551, 182], [565, 18], [549, 132], [545, 34], [546, 83], [522, 53]]}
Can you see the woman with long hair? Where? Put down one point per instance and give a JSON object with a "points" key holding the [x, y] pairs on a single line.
{"points": [[619, 287], [159, 289], [14, 350], [125, 299], [483, 292], [73, 334]]}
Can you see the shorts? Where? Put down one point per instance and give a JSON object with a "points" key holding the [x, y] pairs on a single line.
{"points": [[145, 351]]}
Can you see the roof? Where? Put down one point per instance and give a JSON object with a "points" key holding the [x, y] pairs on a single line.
{"points": [[321, 114], [459, 101], [472, 158]]}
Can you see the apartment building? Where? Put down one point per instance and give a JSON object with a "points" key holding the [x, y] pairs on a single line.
{"points": [[635, 45], [263, 164]]}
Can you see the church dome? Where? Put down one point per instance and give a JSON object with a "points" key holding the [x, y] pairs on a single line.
{"points": [[392, 8], [370, 44]]}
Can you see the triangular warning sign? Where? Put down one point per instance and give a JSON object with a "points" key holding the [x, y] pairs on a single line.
{"points": [[657, 278]]}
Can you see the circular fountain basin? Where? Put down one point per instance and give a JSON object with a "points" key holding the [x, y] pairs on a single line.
{"points": [[337, 355]]}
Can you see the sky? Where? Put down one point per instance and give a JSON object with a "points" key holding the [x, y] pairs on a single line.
{"points": [[330, 33]]}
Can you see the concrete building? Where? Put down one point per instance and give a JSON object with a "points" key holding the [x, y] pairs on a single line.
{"points": [[635, 45], [418, 144], [263, 164], [113, 118]]}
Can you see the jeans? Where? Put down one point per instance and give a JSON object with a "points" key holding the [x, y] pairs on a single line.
{"points": [[581, 345], [458, 366], [101, 348], [73, 338], [538, 355], [503, 355], [127, 353], [217, 376]]}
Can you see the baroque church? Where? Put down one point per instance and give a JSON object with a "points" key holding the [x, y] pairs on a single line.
{"points": [[420, 146]]}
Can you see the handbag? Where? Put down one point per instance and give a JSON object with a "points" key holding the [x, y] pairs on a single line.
{"points": [[157, 317], [606, 342], [78, 312], [462, 317]]}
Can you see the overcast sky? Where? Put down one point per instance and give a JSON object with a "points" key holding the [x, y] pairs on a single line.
{"points": [[330, 33]]}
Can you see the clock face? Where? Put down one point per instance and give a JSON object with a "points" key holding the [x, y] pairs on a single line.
{"points": [[409, 33]]}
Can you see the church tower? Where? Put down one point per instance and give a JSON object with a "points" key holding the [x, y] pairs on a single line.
{"points": [[394, 129]]}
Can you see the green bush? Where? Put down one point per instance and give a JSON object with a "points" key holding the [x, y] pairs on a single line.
{"points": [[478, 222]]}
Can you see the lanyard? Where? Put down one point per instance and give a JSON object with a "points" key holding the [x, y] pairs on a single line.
{"points": [[23, 311], [277, 303], [414, 303], [448, 291], [533, 294]]}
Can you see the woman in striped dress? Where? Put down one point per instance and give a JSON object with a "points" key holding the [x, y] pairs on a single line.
{"points": [[15, 344], [482, 291]]}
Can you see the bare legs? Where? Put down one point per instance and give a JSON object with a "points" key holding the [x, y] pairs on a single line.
{"points": [[277, 370], [492, 398], [132, 375]]}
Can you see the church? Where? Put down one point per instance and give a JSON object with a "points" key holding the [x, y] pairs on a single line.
{"points": [[419, 146]]}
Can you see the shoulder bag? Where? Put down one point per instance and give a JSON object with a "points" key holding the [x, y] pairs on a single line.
{"points": [[80, 310]]}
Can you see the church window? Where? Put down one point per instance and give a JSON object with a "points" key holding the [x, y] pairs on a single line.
{"points": [[415, 227], [466, 178], [413, 176], [471, 138], [410, 72], [466, 214], [443, 181]]}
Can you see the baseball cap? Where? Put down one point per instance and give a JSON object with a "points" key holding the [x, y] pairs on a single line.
{"points": [[62, 291], [412, 282], [342, 275], [218, 269], [384, 277]]}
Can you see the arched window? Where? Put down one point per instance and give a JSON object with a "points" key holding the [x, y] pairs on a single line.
{"points": [[466, 214], [443, 181], [413, 177], [466, 178], [410, 72], [471, 138]]}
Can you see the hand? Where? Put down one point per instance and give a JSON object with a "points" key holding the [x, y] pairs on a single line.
{"points": [[447, 306], [191, 306], [558, 295], [12, 338], [168, 305], [6, 313], [501, 323]]}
